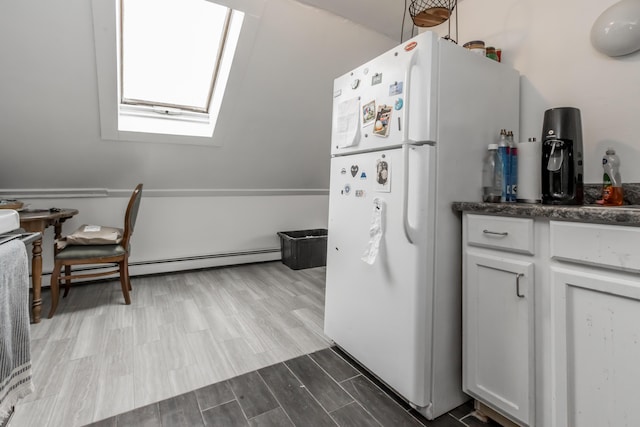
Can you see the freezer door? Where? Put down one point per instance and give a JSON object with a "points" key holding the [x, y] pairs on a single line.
{"points": [[387, 101], [377, 307]]}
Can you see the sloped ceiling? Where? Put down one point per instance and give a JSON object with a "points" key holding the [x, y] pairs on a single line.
{"points": [[383, 16], [275, 123]]}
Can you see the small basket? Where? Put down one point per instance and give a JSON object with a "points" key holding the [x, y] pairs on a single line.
{"points": [[11, 204], [429, 13]]}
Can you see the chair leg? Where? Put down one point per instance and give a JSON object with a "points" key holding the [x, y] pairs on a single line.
{"points": [[67, 282], [55, 288], [126, 266], [124, 280]]}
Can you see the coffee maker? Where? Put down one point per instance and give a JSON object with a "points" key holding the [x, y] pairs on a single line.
{"points": [[561, 166]]}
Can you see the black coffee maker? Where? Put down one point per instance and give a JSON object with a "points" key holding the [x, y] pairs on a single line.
{"points": [[561, 167]]}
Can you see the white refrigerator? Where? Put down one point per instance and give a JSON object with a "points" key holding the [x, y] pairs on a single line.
{"points": [[410, 130]]}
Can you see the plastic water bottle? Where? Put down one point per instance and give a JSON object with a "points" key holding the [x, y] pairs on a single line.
{"points": [[503, 152], [513, 167], [492, 176], [611, 179]]}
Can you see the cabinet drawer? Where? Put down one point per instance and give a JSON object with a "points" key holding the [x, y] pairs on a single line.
{"points": [[511, 234], [600, 245]]}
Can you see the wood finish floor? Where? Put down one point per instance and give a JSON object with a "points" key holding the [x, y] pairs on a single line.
{"points": [[324, 388], [98, 357], [239, 345]]}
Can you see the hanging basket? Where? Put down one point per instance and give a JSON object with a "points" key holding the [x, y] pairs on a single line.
{"points": [[429, 13]]}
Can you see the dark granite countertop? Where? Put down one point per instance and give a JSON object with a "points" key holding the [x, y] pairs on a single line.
{"points": [[628, 214]]}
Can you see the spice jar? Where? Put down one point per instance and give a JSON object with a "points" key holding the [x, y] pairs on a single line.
{"points": [[475, 46], [491, 53]]}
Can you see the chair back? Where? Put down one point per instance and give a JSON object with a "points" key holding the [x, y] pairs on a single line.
{"points": [[131, 215]]}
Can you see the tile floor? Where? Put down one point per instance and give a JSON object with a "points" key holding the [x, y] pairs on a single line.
{"points": [[323, 388], [237, 345], [97, 357]]}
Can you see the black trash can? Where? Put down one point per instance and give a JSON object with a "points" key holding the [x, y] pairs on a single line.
{"points": [[304, 248]]}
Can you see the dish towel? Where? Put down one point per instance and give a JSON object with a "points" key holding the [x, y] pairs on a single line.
{"points": [[376, 230], [15, 345]]}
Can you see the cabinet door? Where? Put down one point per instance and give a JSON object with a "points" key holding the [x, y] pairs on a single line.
{"points": [[498, 334], [596, 326]]}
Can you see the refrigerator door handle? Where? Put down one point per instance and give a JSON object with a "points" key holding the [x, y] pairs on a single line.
{"points": [[406, 145], [408, 229], [407, 96]]}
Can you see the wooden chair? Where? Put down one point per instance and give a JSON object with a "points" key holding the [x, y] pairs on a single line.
{"points": [[117, 254]]}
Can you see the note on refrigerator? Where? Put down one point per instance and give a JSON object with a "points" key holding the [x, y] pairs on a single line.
{"points": [[347, 126]]}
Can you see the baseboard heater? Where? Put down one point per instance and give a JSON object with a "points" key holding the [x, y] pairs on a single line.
{"points": [[230, 255], [204, 257]]}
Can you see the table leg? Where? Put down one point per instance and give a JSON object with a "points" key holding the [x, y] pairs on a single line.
{"points": [[57, 233], [36, 280]]}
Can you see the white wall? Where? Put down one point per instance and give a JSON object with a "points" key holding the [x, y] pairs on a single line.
{"points": [[274, 134], [193, 230], [548, 41], [276, 119], [274, 127]]}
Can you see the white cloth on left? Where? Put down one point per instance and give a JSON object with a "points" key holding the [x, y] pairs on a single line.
{"points": [[15, 339]]}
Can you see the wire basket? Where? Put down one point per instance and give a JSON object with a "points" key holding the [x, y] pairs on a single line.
{"points": [[429, 13]]}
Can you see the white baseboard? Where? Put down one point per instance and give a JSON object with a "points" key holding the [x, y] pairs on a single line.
{"points": [[194, 264], [177, 265]]}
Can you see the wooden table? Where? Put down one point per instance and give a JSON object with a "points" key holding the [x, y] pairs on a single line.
{"points": [[37, 220]]}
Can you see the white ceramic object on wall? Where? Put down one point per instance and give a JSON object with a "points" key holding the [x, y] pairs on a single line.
{"points": [[616, 32]]}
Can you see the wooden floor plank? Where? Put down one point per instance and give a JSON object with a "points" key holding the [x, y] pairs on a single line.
{"points": [[274, 418], [91, 337], [354, 415], [214, 395], [150, 376], [338, 368], [294, 398], [228, 414], [34, 413], [114, 394], [76, 401], [145, 416], [383, 409], [51, 368], [323, 388], [181, 411], [253, 394], [211, 357]]}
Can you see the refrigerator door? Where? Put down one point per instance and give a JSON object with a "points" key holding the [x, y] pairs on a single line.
{"points": [[388, 101], [379, 311]]}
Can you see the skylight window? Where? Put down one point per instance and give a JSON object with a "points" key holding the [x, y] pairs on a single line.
{"points": [[174, 59], [171, 52], [163, 65]]}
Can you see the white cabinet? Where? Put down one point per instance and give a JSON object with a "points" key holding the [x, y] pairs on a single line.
{"points": [[595, 322], [498, 314], [568, 354]]}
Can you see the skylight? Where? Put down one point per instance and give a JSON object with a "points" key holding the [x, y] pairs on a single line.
{"points": [[171, 51], [174, 60], [178, 98]]}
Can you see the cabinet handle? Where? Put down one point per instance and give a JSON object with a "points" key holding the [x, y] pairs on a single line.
{"points": [[496, 233], [518, 276]]}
